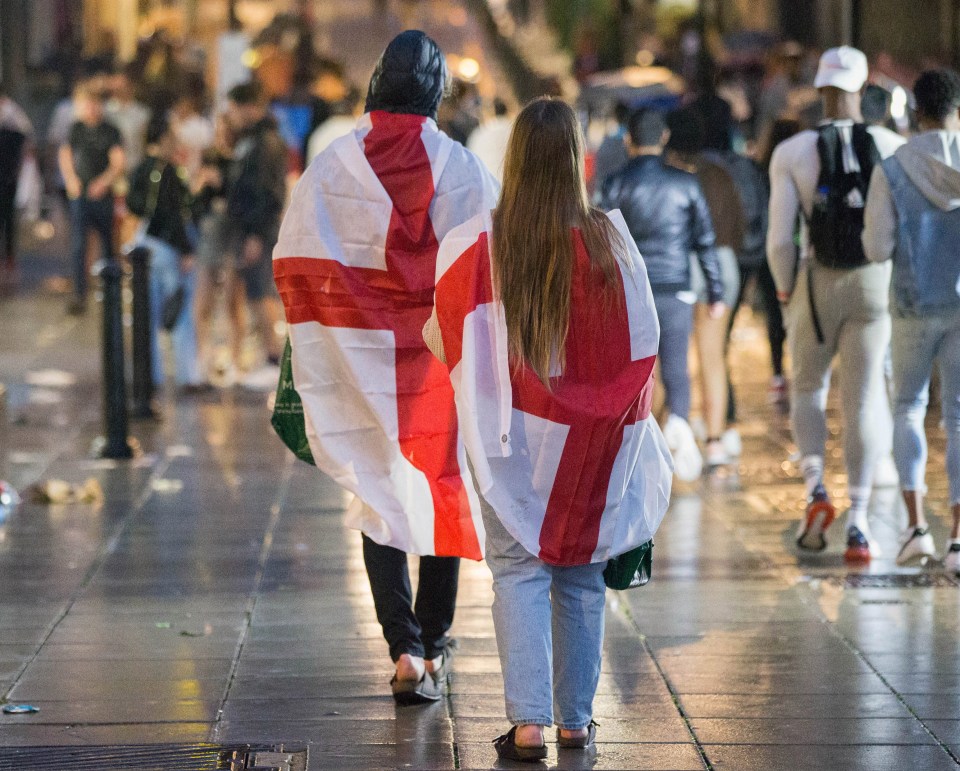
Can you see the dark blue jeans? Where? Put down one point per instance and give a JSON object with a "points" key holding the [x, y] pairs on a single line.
{"points": [[86, 215], [676, 325]]}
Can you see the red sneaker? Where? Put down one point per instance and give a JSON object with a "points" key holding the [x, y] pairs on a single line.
{"points": [[819, 516]]}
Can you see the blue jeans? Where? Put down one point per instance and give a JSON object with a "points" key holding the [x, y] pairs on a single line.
{"points": [[918, 342], [86, 215], [165, 277], [676, 325], [549, 625]]}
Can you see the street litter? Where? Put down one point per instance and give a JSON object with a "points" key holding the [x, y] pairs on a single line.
{"points": [[167, 485], [20, 709], [50, 378], [58, 491]]}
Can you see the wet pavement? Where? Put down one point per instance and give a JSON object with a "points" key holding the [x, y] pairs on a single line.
{"points": [[215, 596]]}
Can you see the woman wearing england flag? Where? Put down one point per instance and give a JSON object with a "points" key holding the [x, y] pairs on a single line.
{"points": [[545, 319]]}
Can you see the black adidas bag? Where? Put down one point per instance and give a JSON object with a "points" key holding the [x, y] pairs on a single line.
{"points": [[836, 221]]}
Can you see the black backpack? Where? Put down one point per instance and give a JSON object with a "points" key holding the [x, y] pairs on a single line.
{"points": [[836, 221]]}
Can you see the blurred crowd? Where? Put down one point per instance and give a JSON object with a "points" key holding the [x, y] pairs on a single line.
{"points": [[145, 154]]}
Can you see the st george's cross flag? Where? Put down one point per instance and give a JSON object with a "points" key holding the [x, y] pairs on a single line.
{"points": [[355, 266], [580, 472]]}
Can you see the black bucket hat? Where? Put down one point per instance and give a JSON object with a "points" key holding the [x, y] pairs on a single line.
{"points": [[410, 77]]}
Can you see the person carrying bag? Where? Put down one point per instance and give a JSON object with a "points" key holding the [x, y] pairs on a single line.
{"points": [[545, 319]]}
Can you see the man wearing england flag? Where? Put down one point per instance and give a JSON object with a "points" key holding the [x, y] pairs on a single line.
{"points": [[355, 266]]}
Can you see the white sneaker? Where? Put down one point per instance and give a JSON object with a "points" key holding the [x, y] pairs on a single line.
{"points": [[951, 560], [716, 455], [916, 545], [732, 443], [885, 474], [687, 460]]}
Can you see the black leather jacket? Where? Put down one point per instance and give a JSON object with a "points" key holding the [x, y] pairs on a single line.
{"points": [[667, 214]]}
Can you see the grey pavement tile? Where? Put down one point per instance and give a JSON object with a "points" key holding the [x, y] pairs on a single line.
{"points": [[108, 733], [46, 672], [805, 757], [935, 706], [433, 727], [360, 707], [106, 688], [137, 708], [821, 682], [812, 731], [164, 648], [640, 757], [873, 705]]}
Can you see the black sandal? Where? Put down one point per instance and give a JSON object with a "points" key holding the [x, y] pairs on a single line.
{"points": [[422, 691], [580, 742], [507, 749]]}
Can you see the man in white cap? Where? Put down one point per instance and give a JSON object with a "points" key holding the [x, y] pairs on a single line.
{"points": [[836, 300]]}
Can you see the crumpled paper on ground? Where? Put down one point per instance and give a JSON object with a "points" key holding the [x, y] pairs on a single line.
{"points": [[58, 491]]}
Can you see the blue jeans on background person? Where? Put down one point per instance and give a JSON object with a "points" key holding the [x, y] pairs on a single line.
{"points": [[918, 342], [549, 625], [165, 277], [87, 214], [676, 326]]}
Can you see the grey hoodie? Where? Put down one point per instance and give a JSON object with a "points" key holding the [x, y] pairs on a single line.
{"points": [[931, 161]]}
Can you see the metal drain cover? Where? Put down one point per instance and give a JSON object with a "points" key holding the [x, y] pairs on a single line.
{"points": [[896, 581], [155, 757]]}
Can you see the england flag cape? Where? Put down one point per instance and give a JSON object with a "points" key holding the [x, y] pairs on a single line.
{"points": [[579, 473], [355, 266]]}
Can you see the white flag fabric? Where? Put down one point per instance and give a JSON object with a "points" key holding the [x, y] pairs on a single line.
{"points": [[355, 266], [580, 472]]}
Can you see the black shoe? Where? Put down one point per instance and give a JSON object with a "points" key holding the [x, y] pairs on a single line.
{"points": [[424, 691], [581, 742], [507, 749]]}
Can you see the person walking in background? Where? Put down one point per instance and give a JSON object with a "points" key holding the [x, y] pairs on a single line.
{"points": [[214, 266], [612, 156], [913, 218], [710, 331], [779, 391], [355, 266], [16, 134], [160, 198], [558, 322], [838, 304], [668, 217], [128, 115], [91, 162], [256, 193], [489, 140], [193, 130]]}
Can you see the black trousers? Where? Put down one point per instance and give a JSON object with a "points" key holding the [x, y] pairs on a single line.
{"points": [[776, 333], [420, 628], [8, 222]]}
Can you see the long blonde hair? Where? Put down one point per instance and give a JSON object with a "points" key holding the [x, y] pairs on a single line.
{"points": [[544, 196]]}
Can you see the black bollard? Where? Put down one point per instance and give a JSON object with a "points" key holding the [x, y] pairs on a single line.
{"points": [[142, 335], [115, 443]]}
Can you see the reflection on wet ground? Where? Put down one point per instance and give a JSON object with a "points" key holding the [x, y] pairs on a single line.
{"points": [[215, 596]]}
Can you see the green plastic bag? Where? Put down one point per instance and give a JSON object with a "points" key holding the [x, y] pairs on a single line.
{"points": [[631, 569], [287, 419]]}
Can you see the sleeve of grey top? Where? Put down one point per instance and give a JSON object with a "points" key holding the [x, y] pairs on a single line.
{"points": [[880, 219]]}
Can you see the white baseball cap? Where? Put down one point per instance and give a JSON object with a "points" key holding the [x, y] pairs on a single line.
{"points": [[845, 68]]}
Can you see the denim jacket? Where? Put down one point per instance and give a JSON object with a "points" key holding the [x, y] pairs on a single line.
{"points": [[926, 258]]}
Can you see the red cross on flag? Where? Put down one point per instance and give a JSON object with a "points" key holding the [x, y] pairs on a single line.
{"points": [[579, 473], [355, 266]]}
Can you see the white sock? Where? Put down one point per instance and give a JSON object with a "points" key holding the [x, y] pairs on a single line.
{"points": [[857, 516], [811, 466]]}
